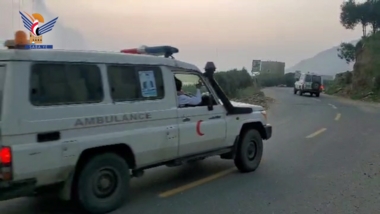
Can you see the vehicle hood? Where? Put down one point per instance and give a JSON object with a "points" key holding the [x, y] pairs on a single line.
{"points": [[254, 107]]}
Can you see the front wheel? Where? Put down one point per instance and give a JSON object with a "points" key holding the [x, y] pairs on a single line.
{"points": [[103, 184], [317, 94], [295, 91], [249, 151]]}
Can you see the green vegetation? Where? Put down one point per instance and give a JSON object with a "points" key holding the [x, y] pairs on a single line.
{"points": [[364, 81], [238, 85], [352, 14], [235, 83], [347, 52], [364, 13], [268, 79]]}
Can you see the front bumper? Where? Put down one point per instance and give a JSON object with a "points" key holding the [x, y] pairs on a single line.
{"points": [[268, 131]]}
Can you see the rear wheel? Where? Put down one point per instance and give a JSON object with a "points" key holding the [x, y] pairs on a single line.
{"points": [[249, 151], [301, 93], [295, 91], [317, 94], [103, 183]]}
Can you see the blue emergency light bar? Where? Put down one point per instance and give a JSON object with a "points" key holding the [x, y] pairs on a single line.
{"points": [[165, 50]]}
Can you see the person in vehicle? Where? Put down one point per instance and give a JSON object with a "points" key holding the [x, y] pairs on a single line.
{"points": [[184, 99]]}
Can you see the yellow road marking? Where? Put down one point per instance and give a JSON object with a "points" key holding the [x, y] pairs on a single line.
{"points": [[337, 117], [316, 133], [195, 183]]}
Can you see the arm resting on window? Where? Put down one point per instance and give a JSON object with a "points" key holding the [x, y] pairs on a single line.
{"points": [[186, 100]]}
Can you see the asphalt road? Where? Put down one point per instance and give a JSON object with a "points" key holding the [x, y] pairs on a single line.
{"points": [[324, 157]]}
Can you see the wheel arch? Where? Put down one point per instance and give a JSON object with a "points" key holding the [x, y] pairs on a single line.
{"points": [[246, 126], [121, 149], [253, 125]]}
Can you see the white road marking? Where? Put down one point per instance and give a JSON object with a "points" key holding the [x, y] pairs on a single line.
{"points": [[334, 107], [338, 116], [316, 133]]}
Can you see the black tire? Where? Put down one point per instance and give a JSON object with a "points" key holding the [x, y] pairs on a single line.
{"points": [[250, 140], [301, 93], [113, 166], [295, 91], [317, 94]]}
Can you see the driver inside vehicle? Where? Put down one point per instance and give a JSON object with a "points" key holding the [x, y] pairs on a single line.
{"points": [[184, 99]]}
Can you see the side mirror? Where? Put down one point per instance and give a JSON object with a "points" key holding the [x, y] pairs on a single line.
{"points": [[210, 107], [207, 100]]}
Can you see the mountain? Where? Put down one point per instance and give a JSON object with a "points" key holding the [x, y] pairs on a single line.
{"points": [[326, 62]]}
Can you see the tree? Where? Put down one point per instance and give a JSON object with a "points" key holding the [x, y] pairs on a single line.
{"points": [[347, 51], [348, 16], [233, 80], [362, 15], [373, 13], [353, 13]]}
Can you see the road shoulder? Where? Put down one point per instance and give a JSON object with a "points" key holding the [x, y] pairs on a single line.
{"points": [[353, 102]]}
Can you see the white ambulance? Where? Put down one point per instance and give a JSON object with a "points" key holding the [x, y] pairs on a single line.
{"points": [[82, 123]]}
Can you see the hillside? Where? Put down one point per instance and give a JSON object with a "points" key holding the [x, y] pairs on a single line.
{"points": [[326, 62], [364, 81]]}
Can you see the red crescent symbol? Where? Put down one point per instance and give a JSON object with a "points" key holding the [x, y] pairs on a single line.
{"points": [[199, 128]]}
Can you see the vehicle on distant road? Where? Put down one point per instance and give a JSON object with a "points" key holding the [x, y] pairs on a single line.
{"points": [[308, 83]]}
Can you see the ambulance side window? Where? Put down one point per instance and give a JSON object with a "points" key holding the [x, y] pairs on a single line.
{"points": [[134, 83], [65, 84]]}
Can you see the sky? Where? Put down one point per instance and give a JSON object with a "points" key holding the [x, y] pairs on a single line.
{"points": [[229, 32]]}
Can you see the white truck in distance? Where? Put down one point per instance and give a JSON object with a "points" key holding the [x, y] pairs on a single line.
{"points": [[308, 83], [82, 123]]}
